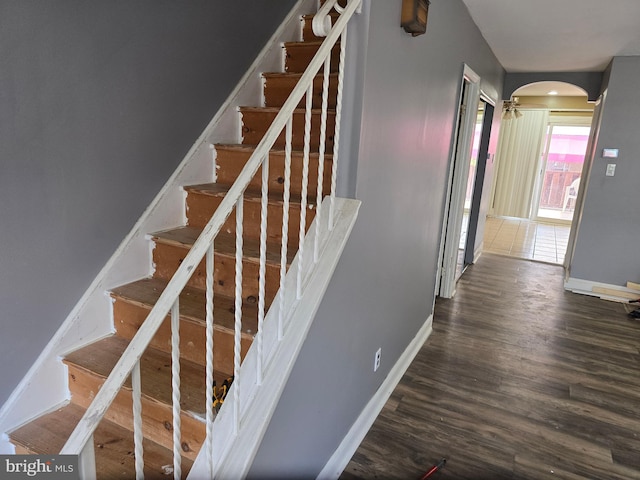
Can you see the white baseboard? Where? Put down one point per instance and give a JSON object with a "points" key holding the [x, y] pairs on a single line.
{"points": [[341, 457], [6, 447], [585, 287]]}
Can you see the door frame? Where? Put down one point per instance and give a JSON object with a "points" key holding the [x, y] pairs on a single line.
{"points": [[460, 159], [589, 158]]}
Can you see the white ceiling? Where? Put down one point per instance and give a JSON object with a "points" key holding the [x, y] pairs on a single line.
{"points": [[558, 35], [540, 89]]}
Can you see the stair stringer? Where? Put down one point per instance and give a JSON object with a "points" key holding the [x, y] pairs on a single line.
{"points": [[45, 387], [233, 453]]}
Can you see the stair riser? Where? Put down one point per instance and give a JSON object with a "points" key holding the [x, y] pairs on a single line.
{"points": [[168, 258], [278, 88], [200, 208], [128, 318], [298, 55], [156, 416], [256, 122], [231, 163]]}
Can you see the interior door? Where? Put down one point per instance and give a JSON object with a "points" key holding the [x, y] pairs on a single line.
{"points": [[483, 132], [461, 262], [457, 185]]}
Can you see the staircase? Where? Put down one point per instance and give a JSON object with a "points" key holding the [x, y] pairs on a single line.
{"points": [[88, 367]]}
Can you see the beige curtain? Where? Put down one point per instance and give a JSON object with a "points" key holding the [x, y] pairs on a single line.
{"points": [[517, 158]]}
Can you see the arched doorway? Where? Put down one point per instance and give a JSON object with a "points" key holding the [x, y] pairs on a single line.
{"points": [[539, 163]]}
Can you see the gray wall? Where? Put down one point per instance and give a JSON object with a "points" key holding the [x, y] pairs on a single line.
{"points": [[607, 245], [590, 82], [99, 102], [382, 290]]}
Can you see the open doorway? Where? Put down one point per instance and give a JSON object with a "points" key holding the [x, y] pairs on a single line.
{"points": [[539, 168], [466, 177]]}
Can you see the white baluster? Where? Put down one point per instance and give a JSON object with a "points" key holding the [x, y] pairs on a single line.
{"points": [[136, 386], [175, 385], [321, 150], [305, 181], [263, 262], [87, 461], [209, 355], [238, 315], [214, 159], [336, 135], [285, 222]]}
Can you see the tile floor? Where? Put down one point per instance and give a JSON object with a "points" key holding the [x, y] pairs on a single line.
{"points": [[517, 237]]}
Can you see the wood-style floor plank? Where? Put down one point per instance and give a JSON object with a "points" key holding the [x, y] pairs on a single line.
{"points": [[519, 380]]}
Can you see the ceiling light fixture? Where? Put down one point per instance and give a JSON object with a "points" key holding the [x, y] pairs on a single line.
{"points": [[510, 111], [552, 92]]}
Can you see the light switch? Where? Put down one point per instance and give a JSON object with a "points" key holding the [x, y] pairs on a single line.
{"points": [[611, 169]]}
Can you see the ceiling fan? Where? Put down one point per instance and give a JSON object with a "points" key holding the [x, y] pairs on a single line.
{"points": [[510, 108]]}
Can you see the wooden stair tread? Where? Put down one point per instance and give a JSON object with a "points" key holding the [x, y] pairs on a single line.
{"points": [[275, 110], [307, 43], [113, 444], [180, 236], [100, 357], [309, 16], [293, 75], [275, 150], [219, 190], [147, 291], [225, 244]]}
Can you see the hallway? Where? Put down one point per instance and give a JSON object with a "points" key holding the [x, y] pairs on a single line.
{"points": [[519, 380]]}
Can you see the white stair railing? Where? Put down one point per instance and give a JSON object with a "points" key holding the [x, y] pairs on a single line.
{"points": [[81, 440]]}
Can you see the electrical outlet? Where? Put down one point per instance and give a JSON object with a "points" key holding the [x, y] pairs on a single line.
{"points": [[376, 361]]}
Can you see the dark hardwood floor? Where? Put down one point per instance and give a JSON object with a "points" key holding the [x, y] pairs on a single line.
{"points": [[519, 380]]}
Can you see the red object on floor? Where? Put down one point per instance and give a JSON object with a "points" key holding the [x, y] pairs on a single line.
{"points": [[434, 469]]}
